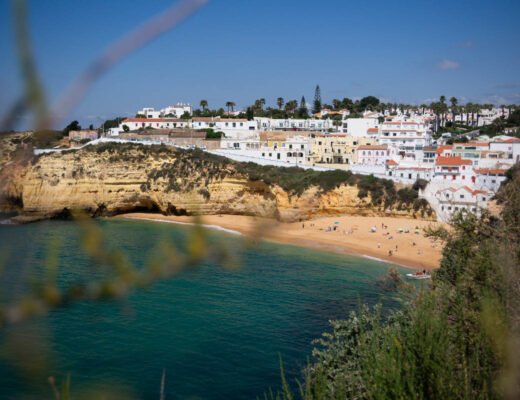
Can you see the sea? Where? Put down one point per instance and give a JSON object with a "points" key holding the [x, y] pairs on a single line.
{"points": [[217, 330]]}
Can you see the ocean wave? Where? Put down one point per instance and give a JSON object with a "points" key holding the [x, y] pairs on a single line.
{"points": [[216, 227]]}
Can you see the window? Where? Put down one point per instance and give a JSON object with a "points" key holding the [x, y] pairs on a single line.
{"points": [[461, 196], [263, 154]]}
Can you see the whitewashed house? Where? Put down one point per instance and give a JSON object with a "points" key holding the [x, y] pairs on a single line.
{"points": [[452, 200]]}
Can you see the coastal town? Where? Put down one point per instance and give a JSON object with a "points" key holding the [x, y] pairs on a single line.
{"points": [[458, 155]]}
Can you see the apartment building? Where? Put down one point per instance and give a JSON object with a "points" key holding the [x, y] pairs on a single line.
{"points": [[336, 148]]}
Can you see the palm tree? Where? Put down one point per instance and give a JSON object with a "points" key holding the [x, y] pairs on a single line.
{"points": [[262, 103], [204, 104], [279, 102], [478, 108], [423, 106], [291, 105], [336, 103], [442, 101], [453, 102], [229, 105], [503, 106], [469, 109]]}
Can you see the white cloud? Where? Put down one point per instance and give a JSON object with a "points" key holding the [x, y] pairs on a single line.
{"points": [[448, 64]]}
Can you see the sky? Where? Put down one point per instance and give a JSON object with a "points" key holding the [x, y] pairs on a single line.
{"points": [[242, 50]]}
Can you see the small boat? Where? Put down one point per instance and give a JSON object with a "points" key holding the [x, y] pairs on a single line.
{"points": [[419, 275]]}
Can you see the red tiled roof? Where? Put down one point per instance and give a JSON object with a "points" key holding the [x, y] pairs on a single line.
{"points": [[391, 162], [451, 161], [491, 171], [372, 130], [442, 148]]}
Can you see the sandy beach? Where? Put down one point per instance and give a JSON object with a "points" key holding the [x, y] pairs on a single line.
{"points": [[348, 234]]}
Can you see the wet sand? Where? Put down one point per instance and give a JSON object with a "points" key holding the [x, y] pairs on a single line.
{"points": [[353, 235]]}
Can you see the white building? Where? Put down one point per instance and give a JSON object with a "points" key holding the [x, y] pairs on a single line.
{"points": [[223, 124], [155, 123], [408, 136], [272, 124], [453, 170], [373, 155], [358, 127], [489, 179], [408, 173], [173, 111], [452, 200]]}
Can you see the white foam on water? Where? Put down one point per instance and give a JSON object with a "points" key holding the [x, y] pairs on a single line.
{"points": [[216, 227]]}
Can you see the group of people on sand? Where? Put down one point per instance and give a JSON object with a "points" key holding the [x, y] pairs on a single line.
{"points": [[373, 229]]}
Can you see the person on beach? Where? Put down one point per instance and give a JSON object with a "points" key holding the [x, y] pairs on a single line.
{"points": [[396, 248], [303, 226], [378, 245], [390, 253]]}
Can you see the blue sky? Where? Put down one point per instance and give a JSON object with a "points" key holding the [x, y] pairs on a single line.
{"points": [[241, 50]]}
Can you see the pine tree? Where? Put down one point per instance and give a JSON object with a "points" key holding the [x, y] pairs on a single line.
{"points": [[317, 100]]}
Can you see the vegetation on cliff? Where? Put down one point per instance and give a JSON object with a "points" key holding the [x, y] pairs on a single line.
{"points": [[459, 340], [293, 180]]}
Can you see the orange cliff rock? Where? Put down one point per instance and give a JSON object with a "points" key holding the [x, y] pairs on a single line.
{"points": [[170, 182]]}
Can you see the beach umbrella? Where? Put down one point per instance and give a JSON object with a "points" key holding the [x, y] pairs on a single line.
{"points": [[356, 226], [336, 222], [400, 229]]}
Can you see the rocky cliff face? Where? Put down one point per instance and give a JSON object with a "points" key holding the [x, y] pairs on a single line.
{"points": [[107, 181]]}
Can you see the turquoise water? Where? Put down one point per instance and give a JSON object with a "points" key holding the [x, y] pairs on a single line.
{"points": [[217, 332]]}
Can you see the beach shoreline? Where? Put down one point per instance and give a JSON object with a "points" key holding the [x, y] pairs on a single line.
{"points": [[351, 235]]}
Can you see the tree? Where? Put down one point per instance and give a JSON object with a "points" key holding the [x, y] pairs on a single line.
{"points": [[453, 102], [229, 105], [140, 116], [186, 115], [336, 103], [347, 103], [368, 101], [73, 126], [204, 104], [250, 114], [279, 102], [126, 128], [317, 100], [291, 105], [303, 111], [91, 127]]}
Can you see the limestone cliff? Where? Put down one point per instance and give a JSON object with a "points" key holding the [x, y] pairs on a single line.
{"points": [[106, 180]]}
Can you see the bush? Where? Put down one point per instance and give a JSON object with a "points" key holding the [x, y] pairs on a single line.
{"points": [[456, 340]]}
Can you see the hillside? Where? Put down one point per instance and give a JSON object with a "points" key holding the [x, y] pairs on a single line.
{"points": [[113, 178]]}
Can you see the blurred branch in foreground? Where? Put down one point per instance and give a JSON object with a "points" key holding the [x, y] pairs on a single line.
{"points": [[34, 98]]}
